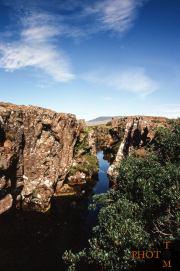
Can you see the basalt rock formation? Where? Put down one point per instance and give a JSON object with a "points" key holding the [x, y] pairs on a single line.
{"points": [[85, 163], [137, 133], [36, 153]]}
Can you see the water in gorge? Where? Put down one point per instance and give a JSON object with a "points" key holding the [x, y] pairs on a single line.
{"points": [[36, 241]]}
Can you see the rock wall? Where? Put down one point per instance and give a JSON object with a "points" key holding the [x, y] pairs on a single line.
{"points": [[44, 153], [36, 152], [139, 131]]}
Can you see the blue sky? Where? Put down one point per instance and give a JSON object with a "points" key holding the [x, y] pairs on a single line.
{"points": [[92, 58]]}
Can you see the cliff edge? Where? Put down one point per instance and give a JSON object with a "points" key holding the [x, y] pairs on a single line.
{"points": [[36, 152]]}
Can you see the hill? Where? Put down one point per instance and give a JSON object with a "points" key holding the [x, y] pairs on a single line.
{"points": [[100, 120]]}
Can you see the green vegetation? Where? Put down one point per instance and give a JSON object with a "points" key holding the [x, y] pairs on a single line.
{"points": [[109, 123], [89, 167], [115, 145], [143, 212], [157, 121], [82, 143], [139, 153]]}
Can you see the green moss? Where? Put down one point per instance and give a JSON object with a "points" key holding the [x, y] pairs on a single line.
{"points": [[156, 121], [64, 194], [91, 163], [32, 208], [89, 167], [81, 144], [81, 168]]}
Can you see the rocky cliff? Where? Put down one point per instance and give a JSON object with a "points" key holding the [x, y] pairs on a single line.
{"points": [[136, 132], [36, 153]]}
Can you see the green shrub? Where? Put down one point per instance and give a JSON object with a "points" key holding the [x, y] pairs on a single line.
{"points": [[109, 123], [143, 211]]}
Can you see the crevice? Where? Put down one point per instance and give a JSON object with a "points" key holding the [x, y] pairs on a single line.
{"points": [[2, 136]]}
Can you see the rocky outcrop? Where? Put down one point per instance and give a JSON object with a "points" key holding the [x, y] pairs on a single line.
{"points": [[36, 153], [138, 133], [85, 163]]}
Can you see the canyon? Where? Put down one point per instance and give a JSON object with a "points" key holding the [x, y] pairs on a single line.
{"points": [[45, 154]]}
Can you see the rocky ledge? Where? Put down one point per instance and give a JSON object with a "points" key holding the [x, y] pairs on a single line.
{"points": [[36, 153]]}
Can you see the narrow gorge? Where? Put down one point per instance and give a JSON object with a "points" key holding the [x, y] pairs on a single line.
{"points": [[49, 171]]}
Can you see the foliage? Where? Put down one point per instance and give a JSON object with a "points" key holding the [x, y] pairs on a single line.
{"points": [[139, 153], [74, 169], [109, 123], [81, 143], [156, 121], [90, 166], [168, 143], [143, 212]]}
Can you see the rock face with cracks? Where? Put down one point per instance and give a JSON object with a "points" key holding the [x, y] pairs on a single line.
{"points": [[137, 133], [36, 152]]}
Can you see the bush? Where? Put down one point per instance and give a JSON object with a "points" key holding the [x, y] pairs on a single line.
{"points": [[142, 213], [109, 123]]}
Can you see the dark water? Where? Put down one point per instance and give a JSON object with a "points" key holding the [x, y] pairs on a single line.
{"points": [[35, 241]]}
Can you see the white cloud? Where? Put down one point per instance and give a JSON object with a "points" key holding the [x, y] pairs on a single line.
{"points": [[106, 98], [35, 48], [136, 81], [133, 80], [90, 16], [116, 15], [41, 30]]}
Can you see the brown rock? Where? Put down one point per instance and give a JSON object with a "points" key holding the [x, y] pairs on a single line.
{"points": [[139, 131], [6, 203], [77, 178], [43, 145]]}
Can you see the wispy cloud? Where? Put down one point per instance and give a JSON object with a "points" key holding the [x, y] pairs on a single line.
{"points": [[106, 98], [133, 80], [90, 16], [35, 48], [116, 15], [42, 27]]}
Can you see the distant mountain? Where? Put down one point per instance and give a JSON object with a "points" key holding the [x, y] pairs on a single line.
{"points": [[100, 120]]}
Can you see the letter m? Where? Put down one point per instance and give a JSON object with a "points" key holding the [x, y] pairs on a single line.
{"points": [[167, 264]]}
